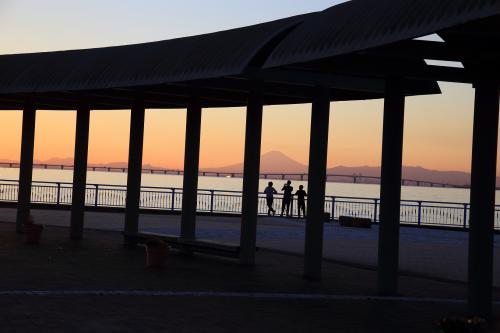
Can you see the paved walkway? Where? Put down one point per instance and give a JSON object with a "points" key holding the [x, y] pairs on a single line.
{"points": [[427, 252], [97, 285]]}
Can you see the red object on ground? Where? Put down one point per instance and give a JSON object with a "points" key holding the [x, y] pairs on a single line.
{"points": [[156, 253]]}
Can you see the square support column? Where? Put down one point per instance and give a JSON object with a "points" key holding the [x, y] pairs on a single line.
{"points": [[80, 172], [134, 174], [318, 153], [191, 169], [26, 166], [250, 199], [482, 198], [390, 187]]}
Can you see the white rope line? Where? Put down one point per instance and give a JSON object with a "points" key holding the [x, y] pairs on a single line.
{"points": [[207, 294]]}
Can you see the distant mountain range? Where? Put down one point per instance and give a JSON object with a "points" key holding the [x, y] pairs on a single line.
{"points": [[271, 162], [277, 162]]}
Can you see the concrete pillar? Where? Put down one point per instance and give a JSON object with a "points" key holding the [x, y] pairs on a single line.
{"points": [[80, 172], [191, 168], [134, 174], [390, 187], [26, 166], [482, 198], [318, 152], [250, 199]]}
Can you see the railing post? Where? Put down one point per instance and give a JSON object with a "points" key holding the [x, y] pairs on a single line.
{"points": [[419, 214], [96, 195], [333, 208], [375, 210], [211, 201], [58, 200], [465, 216], [140, 204], [172, 208]]}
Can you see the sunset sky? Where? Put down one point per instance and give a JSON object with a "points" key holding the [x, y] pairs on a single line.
{"points": [[438, 130]]}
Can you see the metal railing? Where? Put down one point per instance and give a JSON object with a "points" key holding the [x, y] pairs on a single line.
{"points": [[421, 213]]}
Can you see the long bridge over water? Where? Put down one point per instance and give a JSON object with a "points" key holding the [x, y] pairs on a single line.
{"points": [[354, 178]]}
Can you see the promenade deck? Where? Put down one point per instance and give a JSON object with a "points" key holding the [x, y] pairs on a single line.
{"points": [[98, 285]]}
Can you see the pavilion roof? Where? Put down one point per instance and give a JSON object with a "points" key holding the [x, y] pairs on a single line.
{"points": [[183, 59], [287, 58], [364, 24]]}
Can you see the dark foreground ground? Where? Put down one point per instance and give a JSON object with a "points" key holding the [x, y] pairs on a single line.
{"points": [[98, 285]]}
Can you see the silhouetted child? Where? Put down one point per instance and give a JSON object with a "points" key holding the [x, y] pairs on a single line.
{"points": [[301, 200], [287, 198], [270, 191]]}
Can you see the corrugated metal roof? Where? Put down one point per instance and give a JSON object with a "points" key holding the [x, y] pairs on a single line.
{"points": [[109, 77], [362, 24], [198, 57]]}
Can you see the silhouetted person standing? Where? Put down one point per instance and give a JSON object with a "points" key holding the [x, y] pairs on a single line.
{"points": [[287, 198], [270, 191], [301, 200]]}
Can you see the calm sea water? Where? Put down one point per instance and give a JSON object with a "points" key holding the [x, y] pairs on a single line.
{"points": [[235, 184]]}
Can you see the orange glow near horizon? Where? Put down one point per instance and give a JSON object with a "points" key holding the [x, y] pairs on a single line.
{"points": [[438, 133], [287, 129], [164, 136], [54, 133], [222, 137], [10, 134], [109, 136], [438, 128]]}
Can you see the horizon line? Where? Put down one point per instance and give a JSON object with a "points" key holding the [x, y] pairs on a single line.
{"points": [[123, 164]]}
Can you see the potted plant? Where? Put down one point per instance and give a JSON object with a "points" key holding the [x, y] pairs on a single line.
{"points": [[32, 231], [156, 252], [462, 325]]}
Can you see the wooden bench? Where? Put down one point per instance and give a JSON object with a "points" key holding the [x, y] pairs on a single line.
{"points": [[193, 245], [355, 222]]}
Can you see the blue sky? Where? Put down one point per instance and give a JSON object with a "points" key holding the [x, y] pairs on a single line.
{"points": [[42, 25]]}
